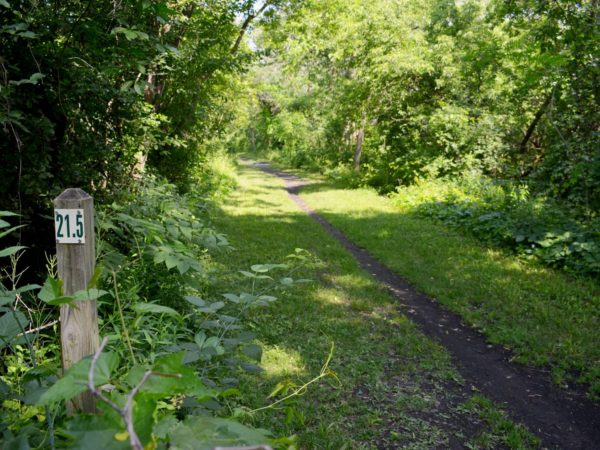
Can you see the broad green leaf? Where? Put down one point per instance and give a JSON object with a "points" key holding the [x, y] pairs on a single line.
{"points": [[99, 429], [183, 266], [143, 308], [251, 368], [11, 324], [52, 292], [125, 86], [246, 336], [196, 301], [30, 35], [253, 351], [89, 294], [232, 392], [36, 76], [232, 298], [144, 412], [171, 261], [200, 339], [113, 261], [76, 379], [212, 341], [4, 3], [228, 319], [95, 277], [247, 298], [8, 298], [64, 300], [206, 433], [210, 324], [11, 250], [263, 277], [217, 306], [287, 281], [52, 288], [33, 392], [180, 379], [164, 426], [27, 288], [262, 268]]}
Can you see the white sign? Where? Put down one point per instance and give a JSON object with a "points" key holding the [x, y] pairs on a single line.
{"points": [[68, 226]]}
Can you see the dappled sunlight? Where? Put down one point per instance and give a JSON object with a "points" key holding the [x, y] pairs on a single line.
{"points": [[350, 281], [330, 296], [278, 361], [376, 348]]}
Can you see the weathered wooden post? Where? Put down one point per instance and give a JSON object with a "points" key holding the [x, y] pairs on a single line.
{"points": [[76, 255]]}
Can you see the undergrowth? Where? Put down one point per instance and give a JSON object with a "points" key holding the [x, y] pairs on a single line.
{"points": [[173, 348], [509, 216]]}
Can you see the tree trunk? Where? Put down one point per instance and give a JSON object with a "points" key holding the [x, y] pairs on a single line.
{"points": [[536, 119], [360, 137]]}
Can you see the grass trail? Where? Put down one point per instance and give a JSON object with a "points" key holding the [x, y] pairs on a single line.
{"points": [[545, 317], [397, 388]]}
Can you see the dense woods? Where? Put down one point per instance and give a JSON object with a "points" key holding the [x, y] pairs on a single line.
{"points": [[481, 115], [498, 98], [397, 91], [92, 91], [422, 89]]}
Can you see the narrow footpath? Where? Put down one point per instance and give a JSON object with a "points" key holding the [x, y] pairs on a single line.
{"points": [[562, 419]]}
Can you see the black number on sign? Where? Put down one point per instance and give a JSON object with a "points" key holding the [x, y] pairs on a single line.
{"points": [[79, 223], [68, 225], [60, 221]]}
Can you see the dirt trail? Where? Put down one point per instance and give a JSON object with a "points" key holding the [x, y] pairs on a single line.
{"points": [[562, 419]]}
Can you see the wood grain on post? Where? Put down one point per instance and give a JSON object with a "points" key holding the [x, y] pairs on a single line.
{"points": [[78, 322]]}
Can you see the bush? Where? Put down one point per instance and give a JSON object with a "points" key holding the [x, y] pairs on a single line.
{"points": [[507, 215]]}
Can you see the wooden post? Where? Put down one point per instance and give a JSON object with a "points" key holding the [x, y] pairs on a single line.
{"points": [[76, 260]]}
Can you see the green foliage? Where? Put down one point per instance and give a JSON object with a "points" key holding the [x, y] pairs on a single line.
{"points": [[396, 388], [166, 233], [161, 317], [93, 94], [433, 89], [507, 216], [545, 317]]}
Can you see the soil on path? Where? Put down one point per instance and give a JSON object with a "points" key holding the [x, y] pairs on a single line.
{"points": [[562, 419]]}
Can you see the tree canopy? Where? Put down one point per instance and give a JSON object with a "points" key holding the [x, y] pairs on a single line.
{"points": [[416, 89]]}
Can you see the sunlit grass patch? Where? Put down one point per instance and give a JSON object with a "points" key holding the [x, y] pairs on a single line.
{"points": [[282, 362], [331, 296]]}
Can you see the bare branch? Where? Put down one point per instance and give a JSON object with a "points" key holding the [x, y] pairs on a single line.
{"points": [[246, 24], [126, 412], [92, 385]]}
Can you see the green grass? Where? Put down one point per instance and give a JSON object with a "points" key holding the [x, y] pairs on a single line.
{"points": [[396, 387], [544, 316]]}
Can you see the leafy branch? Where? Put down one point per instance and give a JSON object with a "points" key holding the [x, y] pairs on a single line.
{"points": [[126, 412]]}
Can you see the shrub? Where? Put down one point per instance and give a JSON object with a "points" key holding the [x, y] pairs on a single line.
{"points": [[507, 215]]}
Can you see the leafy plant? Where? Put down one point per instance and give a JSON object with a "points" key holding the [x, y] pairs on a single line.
{"points": [[507, 216]]}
